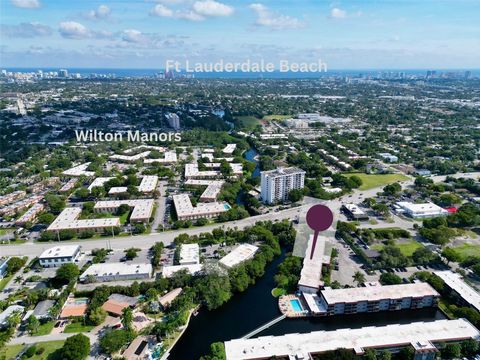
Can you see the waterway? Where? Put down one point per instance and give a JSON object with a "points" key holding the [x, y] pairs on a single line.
{"points": [[256, 306], [249, 155]]}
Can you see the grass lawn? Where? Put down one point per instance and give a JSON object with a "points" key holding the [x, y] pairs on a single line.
{"points": [[6, 231], [11, 351], [276, 117], [49, 347], [467, 250], [371, 181], [248, 122], [276, 292], [45, 329], [407, 248], [123, 218], [5, 281], [77, 327], [13, 242]]}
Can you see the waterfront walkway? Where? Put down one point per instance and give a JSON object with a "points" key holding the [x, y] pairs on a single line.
{"points": [[265, 326]]}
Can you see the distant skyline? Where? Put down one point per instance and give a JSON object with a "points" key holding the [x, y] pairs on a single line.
{"points": [[350, 34]]}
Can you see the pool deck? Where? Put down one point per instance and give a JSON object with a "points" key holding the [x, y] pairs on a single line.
{"points": [[286, 308]]}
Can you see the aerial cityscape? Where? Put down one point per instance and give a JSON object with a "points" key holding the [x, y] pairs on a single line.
{"points": [[220, 180]]}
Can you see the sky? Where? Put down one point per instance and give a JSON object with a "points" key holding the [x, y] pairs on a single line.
{"points": [[344, 34]]}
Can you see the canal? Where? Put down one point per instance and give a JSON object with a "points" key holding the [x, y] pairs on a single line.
{"points": [[249, 155], [256, 306]]}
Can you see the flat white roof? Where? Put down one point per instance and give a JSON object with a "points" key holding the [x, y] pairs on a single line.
{"points": [[184, 207], [189, 253], [60, 251], [67, 219], [142, 208], [424, 208], [456, 282], [30, 213], [117, 190], [238, 255], [301, 345], [311, 273], [168, 271], [230, 148], [213, 187], [130, 158], [170, 157], [148, 147], [99, 181], [79, 170], [148, 183], [376, 293], [68, 185], [281, 171], [191, 170], [354, 209], [112, 269]]}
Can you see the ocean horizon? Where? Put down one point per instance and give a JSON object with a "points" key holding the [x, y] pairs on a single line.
{"points": [[146, 72]]}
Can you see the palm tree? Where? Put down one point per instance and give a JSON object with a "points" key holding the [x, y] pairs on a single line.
{"points": [[359, 278], [18, 279]]}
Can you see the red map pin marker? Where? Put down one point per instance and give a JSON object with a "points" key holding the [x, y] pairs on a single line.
{"points": [[319, 218]]}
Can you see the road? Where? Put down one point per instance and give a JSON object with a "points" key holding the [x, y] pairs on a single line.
{"points": [[146, 241], [160, 202], [167, 237]]}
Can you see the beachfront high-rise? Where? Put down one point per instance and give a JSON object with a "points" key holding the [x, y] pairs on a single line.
{"points": [[277, 184]]}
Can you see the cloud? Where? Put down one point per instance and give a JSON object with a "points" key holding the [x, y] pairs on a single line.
{"points": [[189, 15], [199, 11], [274, 21], [102, 12], [26, 4], [133, 36], [25, 30], [161, 10], [73, 30], [337, 13], [212, 8], [77, 31]]}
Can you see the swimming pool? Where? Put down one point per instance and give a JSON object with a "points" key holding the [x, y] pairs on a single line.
{"points": [[81, 301], [297, 307], [226, 206]]}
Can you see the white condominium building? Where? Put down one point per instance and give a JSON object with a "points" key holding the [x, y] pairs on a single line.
{"points": [[59, 255], [173, 120], [276, 184]]}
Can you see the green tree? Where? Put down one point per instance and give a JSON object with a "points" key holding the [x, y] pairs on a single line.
{"points": [[295, 195], [451, 255], [370, 354], [97, 316], [127, 318], [14, 264], [359, 278], [67, 273], [131, 253], [46, 218], [76, 347], [32, 324], [384, 355], [215, 290], [423, 255], [392, 189], [390, 279], [407, 353], [82, 193], [470, 347], [451, 351], [115, 340]]}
